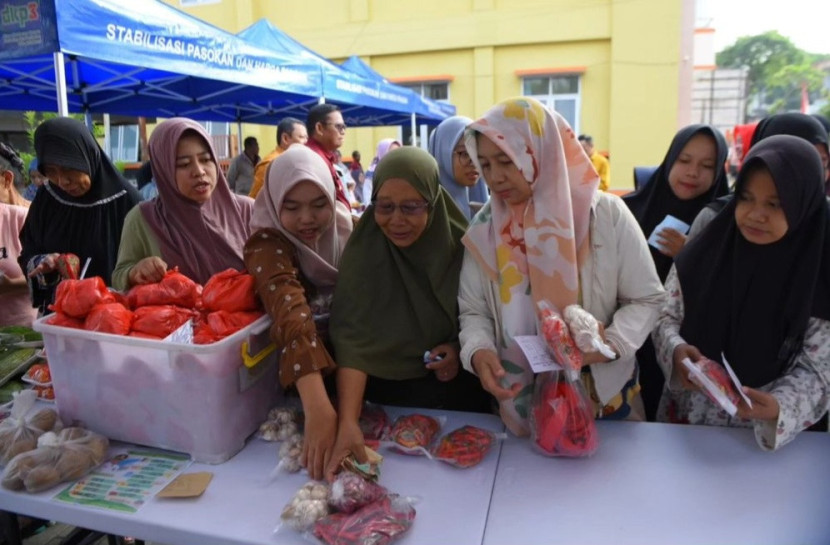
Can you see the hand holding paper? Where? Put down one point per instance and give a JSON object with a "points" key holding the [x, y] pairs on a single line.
{"points": [[669, 236]]}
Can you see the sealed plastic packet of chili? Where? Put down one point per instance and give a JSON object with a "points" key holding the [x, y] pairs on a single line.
{"points": [[714, 382], [558, 338], [378, 523], [413, 434], [561, 420], [466, 446]]}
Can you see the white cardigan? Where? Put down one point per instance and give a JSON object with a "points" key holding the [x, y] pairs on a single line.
{"points": [[619, 286]]}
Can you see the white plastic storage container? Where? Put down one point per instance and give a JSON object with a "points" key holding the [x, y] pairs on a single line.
{"points": [[204, 400]]}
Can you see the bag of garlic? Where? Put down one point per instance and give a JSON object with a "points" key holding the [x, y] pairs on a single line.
{"points": [[289, 456], [66, 456], [309, 504], [20, 431]]}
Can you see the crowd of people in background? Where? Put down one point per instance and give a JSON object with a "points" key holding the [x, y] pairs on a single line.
{"points": [[407, 280]]}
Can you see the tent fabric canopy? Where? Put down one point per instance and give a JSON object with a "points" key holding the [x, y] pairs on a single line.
{"points": [[146, 58], [366, 98], [356, 65]]}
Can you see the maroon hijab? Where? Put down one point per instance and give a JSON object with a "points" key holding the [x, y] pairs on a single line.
{"points": [[200, 239]]}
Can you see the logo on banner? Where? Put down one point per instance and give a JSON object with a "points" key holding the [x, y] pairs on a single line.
{"points": [[20, 15]]}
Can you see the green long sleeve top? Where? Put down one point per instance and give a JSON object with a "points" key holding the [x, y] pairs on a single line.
{"points": [[137, 242]]}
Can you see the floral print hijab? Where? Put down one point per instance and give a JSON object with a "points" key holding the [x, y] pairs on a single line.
{"points": [[545, 245]]}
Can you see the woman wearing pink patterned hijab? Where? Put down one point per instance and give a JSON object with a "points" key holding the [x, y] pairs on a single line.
{"points": [[547, 234], [195, 223]]}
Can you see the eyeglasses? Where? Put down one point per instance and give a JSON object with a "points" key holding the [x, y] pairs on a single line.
{"points": [[408, 208], [341, 128], [463, 158]]}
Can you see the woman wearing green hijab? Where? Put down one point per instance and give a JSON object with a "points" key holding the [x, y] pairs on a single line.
{"points": [[397, 298]]}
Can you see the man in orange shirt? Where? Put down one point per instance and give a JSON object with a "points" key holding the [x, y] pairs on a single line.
{"points": [[289, 131]]}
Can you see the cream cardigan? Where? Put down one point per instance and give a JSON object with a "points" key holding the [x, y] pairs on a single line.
{"points": [[620, 287]]}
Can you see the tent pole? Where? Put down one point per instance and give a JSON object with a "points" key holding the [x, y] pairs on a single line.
{"points": [[414, 128], [60, 81], [88, 121], [107, 140], [239, 135]]}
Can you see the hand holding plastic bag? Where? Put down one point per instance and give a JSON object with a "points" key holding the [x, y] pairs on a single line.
{"points": [[561, 420], [584, 329]]}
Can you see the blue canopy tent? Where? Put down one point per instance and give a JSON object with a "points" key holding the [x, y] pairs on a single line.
{"points": [[364, 101], [143, 58], [356, 65]]}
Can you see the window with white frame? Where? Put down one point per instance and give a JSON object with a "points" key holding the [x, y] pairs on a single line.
{"points": [[557, 92], [220, 133], [436, 90], [124, 143]]}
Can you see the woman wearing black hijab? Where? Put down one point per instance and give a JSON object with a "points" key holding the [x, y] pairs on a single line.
{"points": [[691, 176], [81, 210], [795, 124], [682, 185], [826, 124], [754, 288]]}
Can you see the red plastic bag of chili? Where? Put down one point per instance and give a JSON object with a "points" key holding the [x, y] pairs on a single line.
{"points": [[76, 298], [112, 318], [161, 320], [561, 420], [230, 290], [215, 326], [174, 289], [63, 320], [224, 323], [378, 523]]}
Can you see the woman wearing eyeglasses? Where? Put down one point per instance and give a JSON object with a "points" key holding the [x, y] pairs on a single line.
{"points": [[299, 232], [394, 322], [458, 174]]}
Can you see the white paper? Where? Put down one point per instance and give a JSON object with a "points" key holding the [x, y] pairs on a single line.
{"points": [[735, 380], [699, 377], [669, 222], [536, 351], [183, 335]]}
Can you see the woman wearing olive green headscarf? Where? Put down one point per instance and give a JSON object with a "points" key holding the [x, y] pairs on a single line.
{"points": [[396, 298]]}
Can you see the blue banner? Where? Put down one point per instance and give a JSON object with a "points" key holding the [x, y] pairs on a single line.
{"points": [[27, 27], [152, 34]]}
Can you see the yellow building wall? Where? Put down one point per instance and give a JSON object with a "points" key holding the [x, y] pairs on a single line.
{"points": [[630, 87]]}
